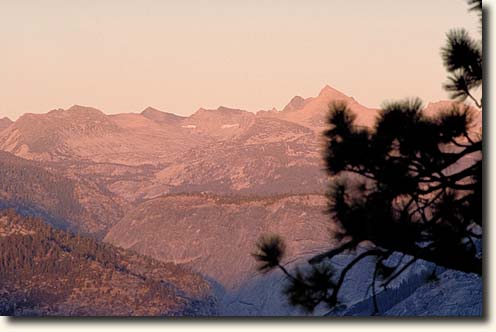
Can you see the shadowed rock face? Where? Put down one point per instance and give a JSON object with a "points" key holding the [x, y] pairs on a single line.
{"points": [[77, 204], [454, 294], [216, 236]]}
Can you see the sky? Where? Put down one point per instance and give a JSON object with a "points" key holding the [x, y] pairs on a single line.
{"points": [[177, 56]]}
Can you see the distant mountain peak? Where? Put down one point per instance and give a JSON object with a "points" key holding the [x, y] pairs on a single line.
{"points": [[219, 110], [160, 116], [151, 111], [76, 107], [228, 109], [80, 110], [5, 122], [295, 104], [327, 90]]}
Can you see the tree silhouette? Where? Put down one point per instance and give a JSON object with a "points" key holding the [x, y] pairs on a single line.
{"points": [[411, 185], [462, 57]]}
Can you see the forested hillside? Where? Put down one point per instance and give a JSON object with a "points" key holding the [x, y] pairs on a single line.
{"points": [[44, 271], [79, 204], [30, 188]]}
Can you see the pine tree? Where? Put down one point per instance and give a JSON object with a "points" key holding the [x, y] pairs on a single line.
{"points": [[411, 185]]}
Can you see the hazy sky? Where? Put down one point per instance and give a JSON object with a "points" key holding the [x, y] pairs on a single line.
{"points": [[177, 56]]}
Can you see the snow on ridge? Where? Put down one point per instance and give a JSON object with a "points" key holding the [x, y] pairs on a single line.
{"points": [[234, 125]]}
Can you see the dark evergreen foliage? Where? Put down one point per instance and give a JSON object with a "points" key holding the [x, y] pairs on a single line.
{"points": [[28, 187], [462, 57], [270, 252], [42, 267]]}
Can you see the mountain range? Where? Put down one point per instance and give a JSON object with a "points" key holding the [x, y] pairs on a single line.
{"points": [[193, 190]]}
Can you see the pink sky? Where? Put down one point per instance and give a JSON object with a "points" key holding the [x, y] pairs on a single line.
{"points": [[177, 56]]}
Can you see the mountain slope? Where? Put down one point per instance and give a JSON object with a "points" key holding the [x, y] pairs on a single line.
{"points": [[4, 123], [221, 124], [216, 235], [48, 136], [296, 103], [271, 156], [68, 203], [161, 117], [454, 294], [53, 273], [224, 227]]}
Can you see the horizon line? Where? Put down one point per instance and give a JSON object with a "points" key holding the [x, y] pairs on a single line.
{"points": [[326, 86]]}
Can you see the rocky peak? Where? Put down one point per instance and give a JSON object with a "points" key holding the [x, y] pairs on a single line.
{"points": [[221, 111], [150, 110], [81, 111], [160, 116], [330, 92], [295, 104]]}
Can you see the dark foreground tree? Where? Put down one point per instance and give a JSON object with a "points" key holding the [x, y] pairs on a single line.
{"points": [[411, 185], [462, 57]]}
